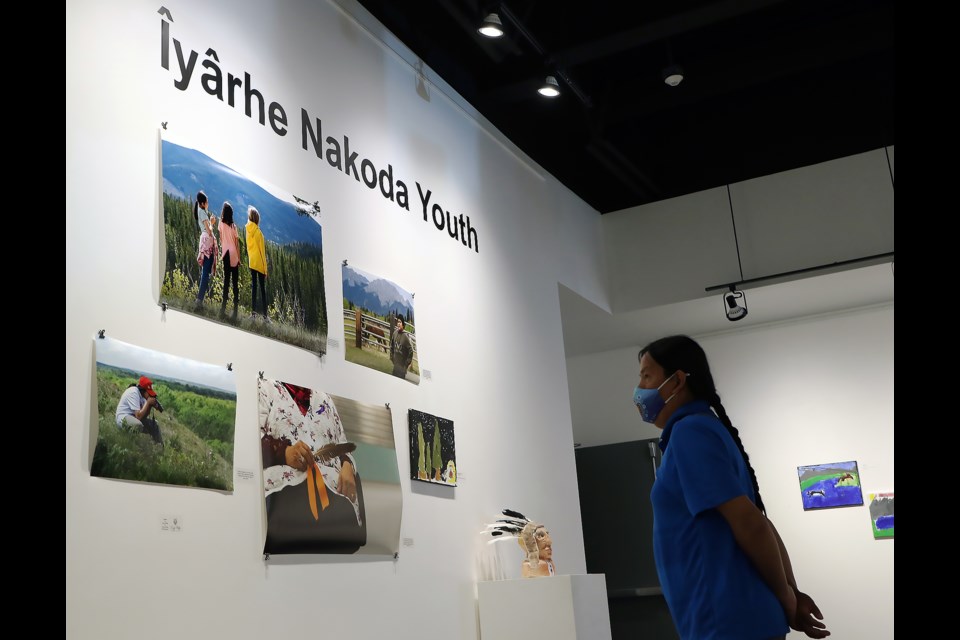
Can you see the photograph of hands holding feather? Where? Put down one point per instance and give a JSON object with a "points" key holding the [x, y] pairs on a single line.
{"points": [[330, 477], [311, 484]]}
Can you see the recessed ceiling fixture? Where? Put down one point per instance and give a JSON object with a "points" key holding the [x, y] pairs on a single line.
{"points": [[491, 26], [550, 88], [673, 75]]}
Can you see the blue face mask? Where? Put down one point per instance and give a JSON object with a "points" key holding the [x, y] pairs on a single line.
{"points": [[650, 402]]}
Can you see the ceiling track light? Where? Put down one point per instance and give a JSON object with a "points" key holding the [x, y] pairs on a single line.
{"points": [[732, 299], [491, 26], [735, 304], [550, 88], [673, 75]]}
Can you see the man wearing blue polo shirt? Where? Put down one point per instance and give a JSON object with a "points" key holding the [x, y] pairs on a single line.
{"points": [[724, 571]]}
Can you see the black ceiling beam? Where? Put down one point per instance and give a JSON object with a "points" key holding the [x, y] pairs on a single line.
{"points": [[660, 30], [649, 187], [549, 59], [617, 170], [519, 91], [496, 51], [831, 45]]}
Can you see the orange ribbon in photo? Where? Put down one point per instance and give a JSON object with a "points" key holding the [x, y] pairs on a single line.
{"points": [[316, 478]]}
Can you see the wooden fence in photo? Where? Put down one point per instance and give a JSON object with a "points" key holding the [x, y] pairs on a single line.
{"points": [[370, 333]]}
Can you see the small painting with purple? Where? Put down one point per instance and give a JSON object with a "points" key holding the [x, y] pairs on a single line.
{"points": [[834, 484], [881, 515]]}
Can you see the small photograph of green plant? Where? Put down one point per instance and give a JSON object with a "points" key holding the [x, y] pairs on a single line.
{"points": [[162, 418], [433, 456]]}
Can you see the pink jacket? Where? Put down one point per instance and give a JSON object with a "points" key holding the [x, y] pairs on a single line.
{"points": [[228, 242], [208, 246]]}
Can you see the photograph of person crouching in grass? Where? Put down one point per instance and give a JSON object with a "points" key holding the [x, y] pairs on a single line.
{"points": [[162, 418], [240, 251]]}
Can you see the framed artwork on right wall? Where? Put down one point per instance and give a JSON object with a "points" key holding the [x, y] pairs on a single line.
{"points": [[881, 515], [433, 456], [834, 484]]}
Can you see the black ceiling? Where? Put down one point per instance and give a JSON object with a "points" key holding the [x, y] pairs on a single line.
{"points": [[768, 85]]}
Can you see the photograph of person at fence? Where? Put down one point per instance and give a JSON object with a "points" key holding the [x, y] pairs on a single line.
{"points": [[379, 329], [272, 238]]}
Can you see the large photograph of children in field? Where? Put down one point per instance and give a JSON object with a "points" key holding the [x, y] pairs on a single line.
{"points": [[162, 418], [378, 325], [240, 251]]}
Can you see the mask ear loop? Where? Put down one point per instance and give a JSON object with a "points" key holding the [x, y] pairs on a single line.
{"points": [[686, 375]]}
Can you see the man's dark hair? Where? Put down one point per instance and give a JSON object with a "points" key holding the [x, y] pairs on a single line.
{"points": [[683, 353]]}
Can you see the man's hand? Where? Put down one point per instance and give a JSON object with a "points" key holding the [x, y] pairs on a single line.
{"points": [[808, 618], [298, 456], [347, 483]]}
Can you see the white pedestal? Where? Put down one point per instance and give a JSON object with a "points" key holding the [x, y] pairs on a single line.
{"points": [[549, 608]]}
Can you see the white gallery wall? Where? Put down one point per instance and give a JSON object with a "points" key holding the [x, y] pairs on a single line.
{"points": [[488, 321], [808, 391]]}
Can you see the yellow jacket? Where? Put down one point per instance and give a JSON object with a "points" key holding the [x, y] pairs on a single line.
{"points": [[255, 248]]}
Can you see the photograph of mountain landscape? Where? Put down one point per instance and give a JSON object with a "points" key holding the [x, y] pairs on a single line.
{"points": [[163, 418], [274, 270], [373, 309], [835, 484]]}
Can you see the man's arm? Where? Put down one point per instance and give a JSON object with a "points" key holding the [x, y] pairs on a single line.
{"points": [[784, 557], [808, 618], [145, 409], [758, 541]]}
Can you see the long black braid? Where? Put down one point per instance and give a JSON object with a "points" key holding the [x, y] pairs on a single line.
{"points": [[682, 353], [725, 419]]}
